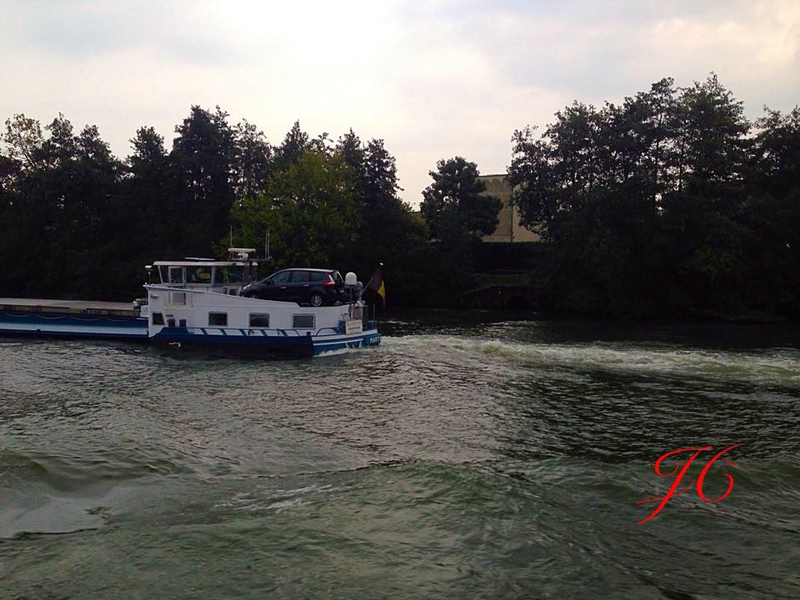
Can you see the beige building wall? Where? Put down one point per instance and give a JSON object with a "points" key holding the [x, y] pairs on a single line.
{"points": [[509, 228]]}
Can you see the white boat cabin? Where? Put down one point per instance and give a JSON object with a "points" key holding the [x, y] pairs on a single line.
{"points": [[196, 302], [201, 274]]}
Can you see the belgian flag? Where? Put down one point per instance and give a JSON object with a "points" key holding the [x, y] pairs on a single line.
{"points": [[376, 284]]}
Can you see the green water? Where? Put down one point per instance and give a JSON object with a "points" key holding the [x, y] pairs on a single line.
{"points": [[472, 455]]}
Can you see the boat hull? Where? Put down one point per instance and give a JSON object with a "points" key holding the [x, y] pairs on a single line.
{"points": [[72, 326], [277, 344], [318, 331]]}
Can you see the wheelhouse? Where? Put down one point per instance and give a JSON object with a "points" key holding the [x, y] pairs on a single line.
{"points": [[222, 277]]}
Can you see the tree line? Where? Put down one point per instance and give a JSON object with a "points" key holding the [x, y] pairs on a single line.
{"points": [[669, 203], [79, 222]]}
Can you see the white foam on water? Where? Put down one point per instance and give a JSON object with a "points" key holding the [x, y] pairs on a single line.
{"points": [[266, 499], [773, 366]]}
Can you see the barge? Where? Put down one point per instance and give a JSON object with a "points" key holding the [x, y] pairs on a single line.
{"points": [[197, 303]]}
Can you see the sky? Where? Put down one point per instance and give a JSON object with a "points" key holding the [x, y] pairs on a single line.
{"points": [[433, 79]]}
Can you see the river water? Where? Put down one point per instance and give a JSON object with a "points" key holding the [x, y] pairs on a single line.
{"points": [[472, 455]]}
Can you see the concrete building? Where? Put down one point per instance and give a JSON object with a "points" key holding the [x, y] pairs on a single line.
{"points": [[509, 228]]}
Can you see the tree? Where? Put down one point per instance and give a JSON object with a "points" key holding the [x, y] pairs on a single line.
{"points": [[388, 231], [294, 145], [24, 140], [308, 209], [255, 160], [64, 188], [84, 176], [204, 154], [455, 202], [772, 214], [701, 215], [457, 214], [640, 200], [27, 218], [777, 151], [150, 197]]}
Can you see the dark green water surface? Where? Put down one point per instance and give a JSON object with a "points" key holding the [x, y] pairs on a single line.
{"points": [[470, 456]]}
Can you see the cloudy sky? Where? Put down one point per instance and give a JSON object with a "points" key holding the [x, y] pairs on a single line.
{"points": [[434, 79]]}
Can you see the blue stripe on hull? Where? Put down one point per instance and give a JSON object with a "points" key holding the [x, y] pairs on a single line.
{"points": [[72, 326]]}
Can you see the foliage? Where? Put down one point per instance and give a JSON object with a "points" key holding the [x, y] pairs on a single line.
{"points": [[458, 213], [204, 157], [455, 205], [308, 209], [662, 205], [333, 205], [669, 203]]}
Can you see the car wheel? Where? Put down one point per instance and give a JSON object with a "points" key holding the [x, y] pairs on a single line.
{"points": [[316, 299]]}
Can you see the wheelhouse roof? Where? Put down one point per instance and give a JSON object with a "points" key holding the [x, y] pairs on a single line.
{"points": [[203, 263], [306, 269]]}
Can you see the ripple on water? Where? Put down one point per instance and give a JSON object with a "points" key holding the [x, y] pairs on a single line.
{"points": [[494, 460]]}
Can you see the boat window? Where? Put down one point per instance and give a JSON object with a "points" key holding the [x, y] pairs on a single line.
{"points": [[259, 320], [229, 274], [301, 277], [198, 275], [158, 319], [303, 321], [176, 274], [217, 319]]}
